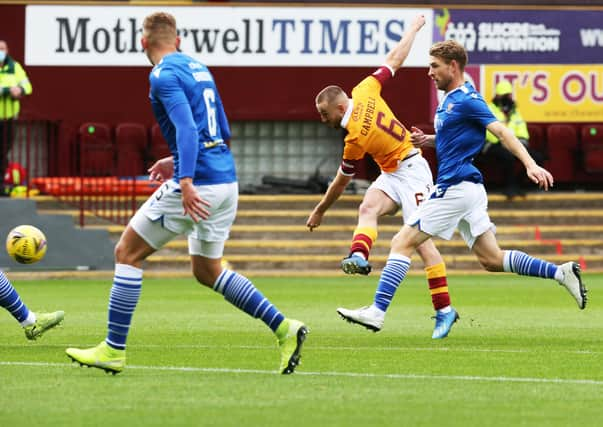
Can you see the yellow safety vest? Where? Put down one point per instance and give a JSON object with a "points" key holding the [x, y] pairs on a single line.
{"points": [[11, 74], [515, 123]]}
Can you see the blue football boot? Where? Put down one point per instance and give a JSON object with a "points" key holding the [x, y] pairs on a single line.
{"points": [[443, 323], [355, 264]]}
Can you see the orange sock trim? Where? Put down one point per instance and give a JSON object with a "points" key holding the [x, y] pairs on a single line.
{"points": [[436, 270], [367, 231]]}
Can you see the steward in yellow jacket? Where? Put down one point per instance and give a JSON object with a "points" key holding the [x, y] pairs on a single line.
{"points": [[14, 85], [505, 109]]}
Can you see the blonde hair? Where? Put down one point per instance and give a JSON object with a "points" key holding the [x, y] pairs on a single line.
{"points": [[450, 50], [159, 28], [330, 94]]}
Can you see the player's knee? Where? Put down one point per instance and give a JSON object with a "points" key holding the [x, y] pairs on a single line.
{"points": [[121, 254], [126, 254], [366, 210]]}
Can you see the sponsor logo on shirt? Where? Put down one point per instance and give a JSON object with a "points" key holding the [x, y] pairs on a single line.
{"points": [[358, 109]]}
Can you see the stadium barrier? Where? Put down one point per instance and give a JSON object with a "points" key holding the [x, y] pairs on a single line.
{"points": [[102, 169], [92, 186]]}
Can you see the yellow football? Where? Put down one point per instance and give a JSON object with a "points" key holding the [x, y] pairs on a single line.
{"points": [[26, 244]]}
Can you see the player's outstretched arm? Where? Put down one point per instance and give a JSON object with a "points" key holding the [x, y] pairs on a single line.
{"points": [[537, 174], [336, 189], [396, 57]]}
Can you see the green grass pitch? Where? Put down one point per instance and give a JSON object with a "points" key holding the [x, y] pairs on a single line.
{"points": [[522, 354]]}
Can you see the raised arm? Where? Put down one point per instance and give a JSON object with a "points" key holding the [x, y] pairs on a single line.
{"points": [[396, 57]]}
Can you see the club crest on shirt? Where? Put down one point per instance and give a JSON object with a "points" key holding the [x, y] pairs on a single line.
{"points": [[449, 107], [357, 113]]}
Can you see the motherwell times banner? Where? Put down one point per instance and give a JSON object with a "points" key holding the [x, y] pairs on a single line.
{"points": [[524, 36], [551, 93], [225, 36]]}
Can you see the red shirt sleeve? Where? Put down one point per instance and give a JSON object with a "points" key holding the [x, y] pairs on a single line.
{"points": [[348, 167], [383, 74]]}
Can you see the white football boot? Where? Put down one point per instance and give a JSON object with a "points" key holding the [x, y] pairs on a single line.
{"points": [[370, 317], [573, 282]]}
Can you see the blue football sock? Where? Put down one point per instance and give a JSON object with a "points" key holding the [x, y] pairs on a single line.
{"points": [[393, 273], [240, 292], [10, 300], [125, 293], [526, 265]]}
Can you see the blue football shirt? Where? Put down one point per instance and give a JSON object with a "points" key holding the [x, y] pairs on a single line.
{"points": [[191, 116], [460, 124]]}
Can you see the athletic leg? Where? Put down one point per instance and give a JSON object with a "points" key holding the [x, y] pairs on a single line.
{"points": [[34, 324], [394, 272], [492, 258]]}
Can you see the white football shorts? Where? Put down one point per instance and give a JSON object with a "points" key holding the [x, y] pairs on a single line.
{"points": [[463, 206], [161, 218], [408, 186]]}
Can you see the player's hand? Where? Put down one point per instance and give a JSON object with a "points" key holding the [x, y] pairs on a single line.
{"points": [[417, 137], [193, 204], [314, 220], [162, 169], [540, 176], [418, 22]]}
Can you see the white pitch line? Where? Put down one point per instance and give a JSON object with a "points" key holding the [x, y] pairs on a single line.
{"points": [[322, 348], [337, 374]]}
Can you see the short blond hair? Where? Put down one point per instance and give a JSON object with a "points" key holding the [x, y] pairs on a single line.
{"points": [[159, 28], [449, 50]]}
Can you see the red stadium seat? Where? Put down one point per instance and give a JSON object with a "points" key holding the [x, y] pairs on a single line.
{"points": [[96, 149], [537, 137], [538, 146], [592, 147], [158, 148], [562, 142], [131, 141]]}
